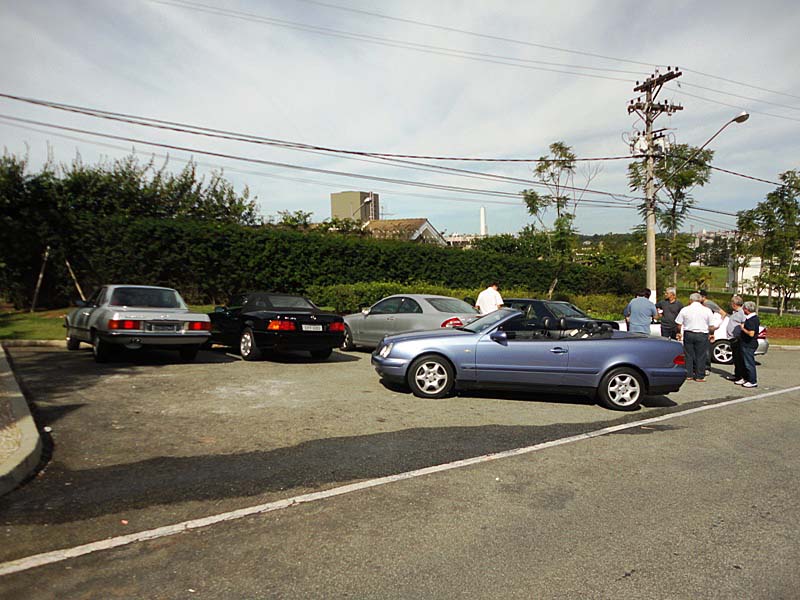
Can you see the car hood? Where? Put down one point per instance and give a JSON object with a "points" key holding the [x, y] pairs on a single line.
{"points": [[428, 334]]}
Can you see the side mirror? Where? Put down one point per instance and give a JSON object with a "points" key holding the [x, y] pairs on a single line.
{"points": [[365, 311], [219, 309], [501, 337]]}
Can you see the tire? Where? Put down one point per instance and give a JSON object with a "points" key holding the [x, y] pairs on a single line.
{"points": [[100, 349], [348, 344], [72, 343], [188, 354], [621, 389], [247, 345], [321, 354], [431, 376], [722, 353]]}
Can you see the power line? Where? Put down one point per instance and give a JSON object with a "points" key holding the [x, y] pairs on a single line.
{"points": [[716, 91], [737, 106], [602, 203]]}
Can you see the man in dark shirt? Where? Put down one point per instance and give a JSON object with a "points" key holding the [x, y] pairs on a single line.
{"points": [[749, 343], [668, 309]]}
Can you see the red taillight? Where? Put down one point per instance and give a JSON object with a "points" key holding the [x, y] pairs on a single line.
{"points": [[281, 325], [336, 327], [198, 326], [679, 360], [763, 334], [452, 322], [124, 324]]}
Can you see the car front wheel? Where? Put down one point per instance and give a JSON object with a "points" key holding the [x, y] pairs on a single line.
{"points": [[431, 377], [247, 345], [622, 389], [721, 352], [348, 344]]}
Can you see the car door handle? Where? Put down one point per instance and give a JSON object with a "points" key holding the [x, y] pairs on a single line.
{"points": [[390, 318], [559, 350]]}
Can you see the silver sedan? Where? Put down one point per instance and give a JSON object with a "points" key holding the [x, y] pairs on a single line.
{"points": [[404, 312], [134, 316]]}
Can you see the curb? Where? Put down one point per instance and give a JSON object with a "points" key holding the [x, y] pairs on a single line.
{"points": [[24, 460], [21, 343]]}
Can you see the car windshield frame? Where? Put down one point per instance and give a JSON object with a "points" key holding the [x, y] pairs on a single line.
{"points": [[460, 307], [557, 308], [146, 297], [488, 321]]}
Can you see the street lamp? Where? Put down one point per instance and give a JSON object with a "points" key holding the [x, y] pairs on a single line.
{"points": [[651, 246], [360, 206]]}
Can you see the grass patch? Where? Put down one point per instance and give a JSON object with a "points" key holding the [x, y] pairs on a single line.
{"points": [[47, 325]]}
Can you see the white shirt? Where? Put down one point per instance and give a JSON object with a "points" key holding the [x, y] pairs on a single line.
{"points": [[489, 300], [697, 318]]}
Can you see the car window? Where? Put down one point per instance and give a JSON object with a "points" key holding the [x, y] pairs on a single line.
{"points": [[386, 307], [523, 329], [451, 305], [409, 305], [92, 300], [486, 322], [531, 310], [237, 301], [565, 309], [146, 298], [102, 297], [288, 301]]}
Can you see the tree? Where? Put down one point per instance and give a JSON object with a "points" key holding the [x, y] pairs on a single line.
{"points": [[298, 219], [676, 173], [556, 172]]}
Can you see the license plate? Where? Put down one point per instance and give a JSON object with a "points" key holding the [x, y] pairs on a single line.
{"points": [[161, 327], [312, 327]]}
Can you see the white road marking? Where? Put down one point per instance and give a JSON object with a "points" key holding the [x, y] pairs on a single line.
{"points": [[38, 560]]}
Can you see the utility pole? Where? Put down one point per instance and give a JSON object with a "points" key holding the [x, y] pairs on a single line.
{"points": [[649, 110]]}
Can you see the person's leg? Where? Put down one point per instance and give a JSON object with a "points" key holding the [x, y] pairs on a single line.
{"points": [[738, 360], [688, 350], [749, 355], [702, 355]]}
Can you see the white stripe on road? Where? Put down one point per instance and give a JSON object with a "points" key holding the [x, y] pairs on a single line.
{"points": [[46, 558]]}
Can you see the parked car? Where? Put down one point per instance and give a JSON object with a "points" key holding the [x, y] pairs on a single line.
{"points": [[721, 347], [505, 349], [554, 309], [405, 312], [256, 322], [133, 317]]}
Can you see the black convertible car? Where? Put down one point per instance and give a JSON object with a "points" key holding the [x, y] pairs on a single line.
{"points": [[555, 310], [264, 321]]}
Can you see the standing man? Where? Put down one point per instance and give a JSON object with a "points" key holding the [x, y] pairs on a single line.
{"points": [[734, 331], [640, 312], [749, 343], [696, 328], [715, 308], [489, 300], [669, 308]]}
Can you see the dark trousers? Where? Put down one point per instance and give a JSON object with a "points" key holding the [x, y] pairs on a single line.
{"points": [[669, 331], [749, 359], [695, 347], [738, 360]]}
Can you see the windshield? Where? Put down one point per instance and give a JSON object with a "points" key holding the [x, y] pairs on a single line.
{"points": [[565, 309], [273, 301], [451, 305], [487, 321], [146, 298]]}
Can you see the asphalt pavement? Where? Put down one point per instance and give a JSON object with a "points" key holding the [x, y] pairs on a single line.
{"points": [[695, 506]]}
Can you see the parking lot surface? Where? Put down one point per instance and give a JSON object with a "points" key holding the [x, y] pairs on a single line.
{"points": [[151, 442]]}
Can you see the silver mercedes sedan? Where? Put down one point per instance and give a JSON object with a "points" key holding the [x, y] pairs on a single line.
{"points": [[135, 316], [404, 312]]}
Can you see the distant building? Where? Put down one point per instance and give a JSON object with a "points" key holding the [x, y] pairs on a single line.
{"points": [[361, 206], [411, 230]]}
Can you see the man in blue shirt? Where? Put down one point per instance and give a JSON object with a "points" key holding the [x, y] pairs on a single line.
{"points": [[640, 312]]}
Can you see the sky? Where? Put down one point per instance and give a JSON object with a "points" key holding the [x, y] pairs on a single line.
{"points": [[499, 80]]}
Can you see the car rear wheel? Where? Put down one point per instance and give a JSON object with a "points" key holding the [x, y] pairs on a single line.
{"points": [[721, 352], [247, 345], [348, 344], [321, 354], [622, 389], [431, 377], [100, 349], [72, 343], [188, 354]]}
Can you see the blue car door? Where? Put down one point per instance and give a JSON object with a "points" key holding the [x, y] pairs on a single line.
{"points": [[524, 355]]}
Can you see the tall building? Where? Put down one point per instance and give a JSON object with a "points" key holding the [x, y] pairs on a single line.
{"points": [[361, 206]]}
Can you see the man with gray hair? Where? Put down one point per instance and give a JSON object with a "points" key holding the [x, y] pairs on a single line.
{"points": [[668, 309], [734, 331], [696, 326]]}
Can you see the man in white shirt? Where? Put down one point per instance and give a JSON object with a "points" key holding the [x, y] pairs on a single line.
{"points": [[696, 324], [489, 300]]}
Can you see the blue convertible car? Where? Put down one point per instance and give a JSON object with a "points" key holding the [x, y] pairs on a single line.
{"points": [[507, 349]]}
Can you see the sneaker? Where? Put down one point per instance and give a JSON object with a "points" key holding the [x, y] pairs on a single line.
{"points": [[749, 384], [700, 379], [739, 382]]}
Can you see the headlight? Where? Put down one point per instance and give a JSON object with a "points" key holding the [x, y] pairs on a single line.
{"points": [[385, 350]]}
